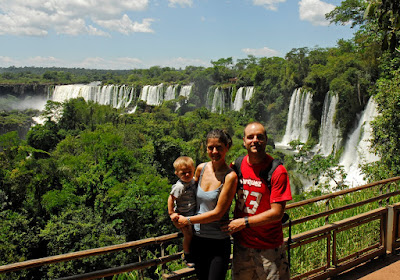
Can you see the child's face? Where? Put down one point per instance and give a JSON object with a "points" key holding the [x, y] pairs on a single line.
{"points": [[185, 173]]}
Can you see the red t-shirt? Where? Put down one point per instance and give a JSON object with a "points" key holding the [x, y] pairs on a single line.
{"points": [[256, 198]]}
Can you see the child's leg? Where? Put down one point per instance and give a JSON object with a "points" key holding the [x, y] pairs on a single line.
{"points": [[187, 238]]}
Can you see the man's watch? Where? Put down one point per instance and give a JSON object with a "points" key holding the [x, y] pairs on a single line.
{"points": [[246, 221]]}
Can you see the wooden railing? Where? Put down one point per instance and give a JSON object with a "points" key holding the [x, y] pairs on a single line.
{"points": [[325, 236]]}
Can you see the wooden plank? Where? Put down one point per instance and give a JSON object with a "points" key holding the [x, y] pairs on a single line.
{"points": [[178, 274]]}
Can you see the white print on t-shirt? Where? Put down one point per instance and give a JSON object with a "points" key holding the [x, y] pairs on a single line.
{"points": [[251, 183], [255, 198]]}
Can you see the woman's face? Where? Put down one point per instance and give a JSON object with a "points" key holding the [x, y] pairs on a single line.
{"points": [[216, 150]]}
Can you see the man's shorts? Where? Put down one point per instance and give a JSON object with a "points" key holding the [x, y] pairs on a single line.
{"points": [[269, 264]]}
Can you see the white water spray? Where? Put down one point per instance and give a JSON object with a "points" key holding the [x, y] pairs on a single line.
{"points": [[357, 149], [242, 94], [298, 117]]}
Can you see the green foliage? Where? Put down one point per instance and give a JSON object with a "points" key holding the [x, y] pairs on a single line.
{"points": [[76, 230], [387, 124], [350, 11], [320, 167]]}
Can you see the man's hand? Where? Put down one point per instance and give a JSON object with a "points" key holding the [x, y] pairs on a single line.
{"points": [[234, 226]]}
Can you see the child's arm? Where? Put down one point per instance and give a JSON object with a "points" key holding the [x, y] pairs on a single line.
{"points": [[171, 212]]}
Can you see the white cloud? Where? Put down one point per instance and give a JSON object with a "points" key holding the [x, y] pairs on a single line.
{"points": [[181, 62], [72, 17], [6, 61], [182, 3], [261, 52], [125, 25], [89, 63], [314, 11], [268, 4], [43, 61], [114, 63]]}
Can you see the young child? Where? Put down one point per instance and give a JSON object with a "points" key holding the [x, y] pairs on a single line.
{"points": [[182, 199]]}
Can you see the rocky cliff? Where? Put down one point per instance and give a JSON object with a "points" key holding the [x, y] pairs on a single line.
{"points": [[24, 90]]}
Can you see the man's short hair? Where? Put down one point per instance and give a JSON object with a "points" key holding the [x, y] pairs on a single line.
{"points": [[182, 162], [244, 130]]}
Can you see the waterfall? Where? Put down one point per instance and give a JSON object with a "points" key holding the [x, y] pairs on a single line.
{"points": [[329, 134], [119, 96], [242, 94], [114, 95], [357, 148], [249, 93], [186, 90], [170, 92], [217, 99], [152, 95], [298, 117]]}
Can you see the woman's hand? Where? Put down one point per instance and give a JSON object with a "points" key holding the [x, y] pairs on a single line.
{"points": [[182, 221]]}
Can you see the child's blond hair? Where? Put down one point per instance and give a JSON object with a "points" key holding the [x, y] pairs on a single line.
{"points": [[182, 162]]}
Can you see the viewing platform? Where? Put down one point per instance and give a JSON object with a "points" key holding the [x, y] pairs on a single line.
{"points": [[349, 234]]}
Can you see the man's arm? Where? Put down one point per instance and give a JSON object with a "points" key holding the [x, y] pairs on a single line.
{"points": [[272, 215]]}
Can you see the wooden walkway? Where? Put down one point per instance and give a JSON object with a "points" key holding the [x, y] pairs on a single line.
{"points": [[387, 268]]}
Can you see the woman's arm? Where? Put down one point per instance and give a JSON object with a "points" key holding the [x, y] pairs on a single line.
{"points": [[226, 196], [198, 171]]}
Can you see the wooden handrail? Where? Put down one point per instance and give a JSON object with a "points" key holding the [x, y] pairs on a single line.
{"points": [[124, 268], [88, 253], [340, 209], [339, 193]]}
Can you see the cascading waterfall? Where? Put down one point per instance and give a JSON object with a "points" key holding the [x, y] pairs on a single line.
{"points": [[152, 95], [170, 92], [357, 148], [185, 91], [242, 94], [118, 96], [329, 135], [218, 100], [298, 117], [114, 95]]}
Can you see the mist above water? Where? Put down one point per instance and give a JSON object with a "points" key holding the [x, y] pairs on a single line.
{"points": [[10, 103]]}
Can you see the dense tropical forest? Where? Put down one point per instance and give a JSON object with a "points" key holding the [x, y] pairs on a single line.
{"points": [[93, 176]]}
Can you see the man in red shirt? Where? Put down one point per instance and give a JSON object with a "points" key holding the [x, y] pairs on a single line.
{"points": [[257, 227]]}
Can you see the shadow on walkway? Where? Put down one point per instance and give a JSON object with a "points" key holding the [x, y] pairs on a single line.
{"points": [[382, 268]]}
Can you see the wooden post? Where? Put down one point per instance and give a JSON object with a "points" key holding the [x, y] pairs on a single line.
{"points": [[390, 231], [327, 209]]}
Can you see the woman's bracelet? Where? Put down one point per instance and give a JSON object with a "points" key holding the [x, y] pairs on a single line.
{"points": [[189, 221]]}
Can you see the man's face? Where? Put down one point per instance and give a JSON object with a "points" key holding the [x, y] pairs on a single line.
{"points": [[255, 139]]}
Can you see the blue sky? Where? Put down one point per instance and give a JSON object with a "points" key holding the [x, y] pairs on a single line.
{"points": [[128, 34]]}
